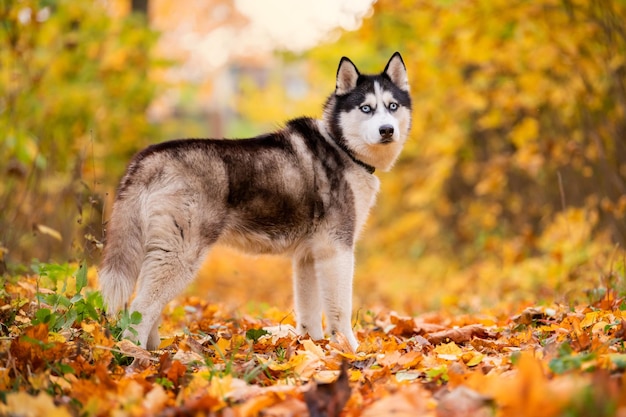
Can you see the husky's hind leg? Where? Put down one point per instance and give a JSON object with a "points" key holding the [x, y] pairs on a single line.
{"points": [[173, 257], [307, 297], [153, 338], [164, 275]]}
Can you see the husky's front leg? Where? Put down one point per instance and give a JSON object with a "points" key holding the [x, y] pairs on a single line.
{"points": [[334, 270], [306, 297]]}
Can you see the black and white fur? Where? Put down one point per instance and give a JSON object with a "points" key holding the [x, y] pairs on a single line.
{"points": [[304, 190]]}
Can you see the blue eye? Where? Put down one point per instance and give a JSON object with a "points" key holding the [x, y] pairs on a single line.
{"points": [[393, 106], [366, 109]]}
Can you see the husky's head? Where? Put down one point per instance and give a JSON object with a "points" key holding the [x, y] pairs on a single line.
{"points": [[370, 115]]}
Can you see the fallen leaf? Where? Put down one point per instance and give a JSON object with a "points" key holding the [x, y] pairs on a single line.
{"points": [[173, 370], [310, 346], [291, 407], [399, 360], [33, 350], [532, 315], [201, 404], [472, 358], [142, 357], [25, 405], [408, 401], [449, 351], [46, 230], [278, 332], [404, 376], [328, 400], [462, 401], [460, 334], [155, 399]]}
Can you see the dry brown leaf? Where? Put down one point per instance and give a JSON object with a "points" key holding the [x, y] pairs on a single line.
{"points": [[399, 360], [173, 370], [408, 401], [191, 344], [401, 326], [532, 315], [461, 402], [291, 407], [197, 405], [422, 327], [409, 326], [486, 345], [142, 357], [327, 400], [460, 335]]}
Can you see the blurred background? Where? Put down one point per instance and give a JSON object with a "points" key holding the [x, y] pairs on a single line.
{"points": [[512, 187]]}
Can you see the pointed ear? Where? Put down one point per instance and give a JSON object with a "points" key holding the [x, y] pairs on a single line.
{"points": [[347, 76], [396, 71]]}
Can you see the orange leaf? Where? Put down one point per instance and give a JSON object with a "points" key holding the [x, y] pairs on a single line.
{"points": [[409, 401], [460, 335]]}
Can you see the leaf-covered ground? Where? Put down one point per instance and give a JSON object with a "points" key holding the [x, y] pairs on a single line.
{"points": [[60, 356]]}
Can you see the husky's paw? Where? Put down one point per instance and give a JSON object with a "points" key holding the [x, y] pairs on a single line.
{"points": [[353, 341], [346, 339], [315, 332]]}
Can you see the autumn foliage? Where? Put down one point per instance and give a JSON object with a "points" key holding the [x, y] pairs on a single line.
{"points": [[544, 361], [490, 279]]}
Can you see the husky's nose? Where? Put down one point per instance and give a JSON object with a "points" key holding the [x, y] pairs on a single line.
{"points": [[386, 133]]}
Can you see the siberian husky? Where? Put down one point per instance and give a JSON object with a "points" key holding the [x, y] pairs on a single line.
{"points": [[304, 190]]}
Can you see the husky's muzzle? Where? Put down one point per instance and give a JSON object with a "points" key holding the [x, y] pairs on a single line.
{"points": [[386, 133]]}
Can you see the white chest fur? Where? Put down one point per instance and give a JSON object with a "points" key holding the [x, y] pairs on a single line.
{"points": [[364, 187]]}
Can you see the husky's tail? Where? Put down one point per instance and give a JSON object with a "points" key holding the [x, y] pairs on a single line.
{"points": [[123, 255]]}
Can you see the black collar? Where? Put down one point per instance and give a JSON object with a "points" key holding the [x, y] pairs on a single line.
{"points": [[357, 161]]}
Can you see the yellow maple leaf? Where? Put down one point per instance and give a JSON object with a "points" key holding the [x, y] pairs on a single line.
{"points": [[310, 346], [23, 404], [449, 351], [303, 363]]}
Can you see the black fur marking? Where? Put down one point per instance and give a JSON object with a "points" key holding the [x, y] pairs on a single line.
{"points": [[210, 232], [180, 229], [344, 148], [256, 188], [332, 168]]}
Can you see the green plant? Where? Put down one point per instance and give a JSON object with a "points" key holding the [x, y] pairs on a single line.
{"points": [[569, 360], [228, 364], [165, 383], [438, 374], [125, 322], [59, 310], [255, 334], [62, 309], [281, 354]]}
